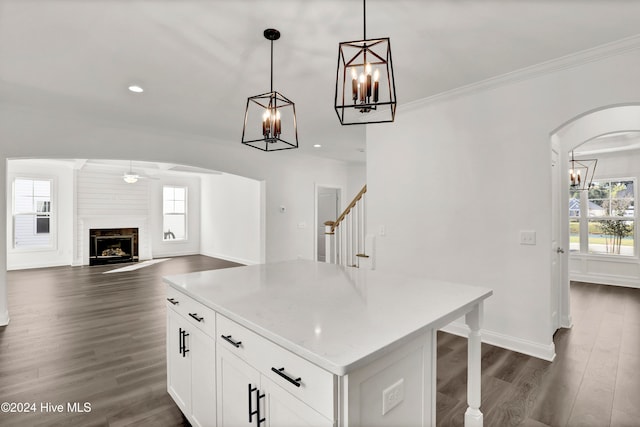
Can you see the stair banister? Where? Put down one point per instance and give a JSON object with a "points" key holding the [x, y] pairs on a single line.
{"points": [[345, 237]]}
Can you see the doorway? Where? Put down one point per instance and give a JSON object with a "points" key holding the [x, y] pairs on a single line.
{"points": [[575, 132], [327, 209], [557, 249]]}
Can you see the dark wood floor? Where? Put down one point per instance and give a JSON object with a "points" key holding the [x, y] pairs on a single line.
{"points": [[77, 335], [594, 380]]}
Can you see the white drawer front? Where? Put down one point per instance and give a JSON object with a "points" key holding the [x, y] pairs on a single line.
{"points": [[237, 339], [303, 379], [196, 313]]}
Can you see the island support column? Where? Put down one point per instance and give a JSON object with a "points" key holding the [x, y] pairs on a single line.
{"points": [[473, 416]]}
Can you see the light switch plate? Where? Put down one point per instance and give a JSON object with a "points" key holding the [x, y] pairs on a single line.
{"points": [[527, 237]]}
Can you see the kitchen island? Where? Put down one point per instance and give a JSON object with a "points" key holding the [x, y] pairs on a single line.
{"points": [[307, 343]]}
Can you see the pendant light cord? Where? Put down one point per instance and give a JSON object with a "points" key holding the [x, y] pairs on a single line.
{"points": [[364, 15], [271, 65]]}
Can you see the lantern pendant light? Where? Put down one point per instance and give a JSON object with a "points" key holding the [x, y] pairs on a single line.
{"points": [[365, 85], [270, 118], [581, 173]]}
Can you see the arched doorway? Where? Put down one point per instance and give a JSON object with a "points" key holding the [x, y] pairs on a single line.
{"points": [[573, 133]]}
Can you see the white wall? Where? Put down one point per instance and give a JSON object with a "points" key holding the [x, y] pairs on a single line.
{"points": [[232, 218], [456, 177], [61, 251], [159, 247], [605, 269], [356, 179]]}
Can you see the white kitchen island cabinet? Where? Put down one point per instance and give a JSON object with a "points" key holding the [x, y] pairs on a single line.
{"points": [[301, 343]]}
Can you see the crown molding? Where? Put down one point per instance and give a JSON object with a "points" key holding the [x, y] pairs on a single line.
{"points": [[572, 60]]}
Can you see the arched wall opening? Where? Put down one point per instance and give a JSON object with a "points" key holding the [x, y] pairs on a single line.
{"points": [[222, 214], [572, 134]]}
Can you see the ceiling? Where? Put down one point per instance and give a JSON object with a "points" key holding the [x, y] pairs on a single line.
{"points": [[199, 60], [610, 143]]}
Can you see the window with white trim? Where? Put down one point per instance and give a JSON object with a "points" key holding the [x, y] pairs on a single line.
{"points": [[174, 211], [607, 218], [32, 203]]}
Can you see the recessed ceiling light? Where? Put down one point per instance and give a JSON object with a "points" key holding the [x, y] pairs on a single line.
{"points": [[136, 89], [317, 145]]}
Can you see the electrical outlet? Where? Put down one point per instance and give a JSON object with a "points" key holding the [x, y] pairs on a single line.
{"points": [[392, 396], [527, 237]]}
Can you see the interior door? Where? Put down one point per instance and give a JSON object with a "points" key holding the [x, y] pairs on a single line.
{"points": [[557, 250]]}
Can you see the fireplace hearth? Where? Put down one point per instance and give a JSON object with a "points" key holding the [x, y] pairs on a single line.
{"points": [[113, 245]]}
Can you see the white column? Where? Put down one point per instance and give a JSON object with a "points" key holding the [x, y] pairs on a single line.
{"points": [[328, 244], [473, 416]]}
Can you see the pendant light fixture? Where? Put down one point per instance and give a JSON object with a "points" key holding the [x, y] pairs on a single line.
{"points": [[365, 86], [581, 173], [270, 118]]}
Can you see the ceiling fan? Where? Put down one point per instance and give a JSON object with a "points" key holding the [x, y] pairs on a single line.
{"points": [[131, 177]]}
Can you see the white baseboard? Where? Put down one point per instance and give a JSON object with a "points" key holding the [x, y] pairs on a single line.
{"points": [[4, 318], [601, 279], [567, 322], [32, 266], [530, 348], [156, 255], [230, 258]]}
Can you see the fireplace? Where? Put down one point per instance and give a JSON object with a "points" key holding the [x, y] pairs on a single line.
{"points": [[113, 245]]}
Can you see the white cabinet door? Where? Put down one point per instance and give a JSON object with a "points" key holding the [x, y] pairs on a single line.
{"points": [[178, 361], [235, 379], [284, 410], [202, 352]]}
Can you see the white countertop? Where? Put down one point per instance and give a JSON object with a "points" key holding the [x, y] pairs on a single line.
{"points": [[339, 318]]}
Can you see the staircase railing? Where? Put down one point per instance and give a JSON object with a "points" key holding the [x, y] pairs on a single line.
{"points": [[345, 237]]}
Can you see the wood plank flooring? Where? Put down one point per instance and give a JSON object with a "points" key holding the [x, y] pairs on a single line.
{"points": [[594, 380], [77, 335]]}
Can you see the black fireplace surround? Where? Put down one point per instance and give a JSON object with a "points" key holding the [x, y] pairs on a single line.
{"points": [[113, 245]]}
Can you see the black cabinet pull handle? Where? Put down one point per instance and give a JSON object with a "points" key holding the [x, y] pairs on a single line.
{"points": [[173, 301], [251, 411], [258, 397], [228, 339], [185, 350], [180, 341], [195, 316], [295, 382]]}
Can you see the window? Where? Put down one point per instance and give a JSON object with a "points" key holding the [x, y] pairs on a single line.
{"points": [[174, 209], [611, 217], [31, 213]]}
